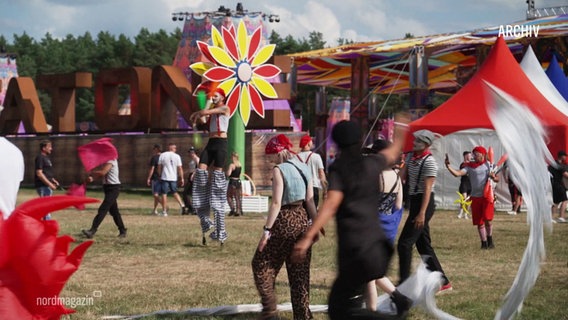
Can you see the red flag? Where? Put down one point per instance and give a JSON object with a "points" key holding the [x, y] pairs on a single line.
{"points": [[95, 153], [77, 190], [502, 160]]}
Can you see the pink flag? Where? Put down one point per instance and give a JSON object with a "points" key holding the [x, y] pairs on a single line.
{"points": [[77, 190], [95, 153]]}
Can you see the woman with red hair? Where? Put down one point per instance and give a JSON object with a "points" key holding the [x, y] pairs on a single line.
{"points": [[286, 223]]}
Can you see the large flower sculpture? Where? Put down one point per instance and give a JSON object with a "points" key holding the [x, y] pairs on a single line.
{"points": [[237, 63], [34, 261]]}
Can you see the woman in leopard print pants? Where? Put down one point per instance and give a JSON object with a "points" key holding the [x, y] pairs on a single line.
{"points": [[286, 223]]}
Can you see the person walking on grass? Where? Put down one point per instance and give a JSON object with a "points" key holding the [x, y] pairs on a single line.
{"points": [[313, 160], [364, 251], [558, 171], [389, 212], [514, 192], [286, 223], [421, 171], [153, 180], [108, 172], [170, 169], [234, 190], [465, 185], [45, 181], [187, 193], [482, 205]]}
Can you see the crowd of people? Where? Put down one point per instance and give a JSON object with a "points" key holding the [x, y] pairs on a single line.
{"points": [[363, 190]]}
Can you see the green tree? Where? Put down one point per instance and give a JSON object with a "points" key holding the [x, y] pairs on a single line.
{"points": [[26, 49], [316, 40], [153, 49], [105, 56], [83, 50]]}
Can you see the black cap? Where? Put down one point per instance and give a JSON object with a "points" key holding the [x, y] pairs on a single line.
{"points": [[191, 149], [346, 133], [561, 153]]}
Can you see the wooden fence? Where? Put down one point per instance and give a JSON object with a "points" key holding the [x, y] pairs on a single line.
{"points": [[135, 151]]}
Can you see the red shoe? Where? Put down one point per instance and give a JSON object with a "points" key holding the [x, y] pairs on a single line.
{"points": [[445, 288]]}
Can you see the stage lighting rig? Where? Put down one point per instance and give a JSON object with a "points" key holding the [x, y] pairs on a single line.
{"points": [[224, 11]]}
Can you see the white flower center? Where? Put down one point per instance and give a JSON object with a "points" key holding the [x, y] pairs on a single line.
{"points": [[244, 72]]}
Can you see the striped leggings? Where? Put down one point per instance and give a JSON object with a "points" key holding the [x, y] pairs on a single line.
{"points": [[210, 194]]}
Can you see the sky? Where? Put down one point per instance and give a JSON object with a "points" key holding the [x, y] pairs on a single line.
{"points": [[357, 20]]}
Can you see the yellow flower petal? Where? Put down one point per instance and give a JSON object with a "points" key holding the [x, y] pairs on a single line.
{"points": [[228, 85], [242, 40], [222, 57], [217, 38], [201, 67], [263, 55], [244, 104], [264, 87]]}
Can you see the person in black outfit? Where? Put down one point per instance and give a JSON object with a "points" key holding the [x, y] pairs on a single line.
{"points": [[465, 185], [187, 193], [421, 170], [364, 251], [45, 181], [558, 171], [111, 187], [234, 190], [153, 179]]}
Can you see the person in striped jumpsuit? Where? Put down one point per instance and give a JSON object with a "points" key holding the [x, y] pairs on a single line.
{"points": [[210, 186]]}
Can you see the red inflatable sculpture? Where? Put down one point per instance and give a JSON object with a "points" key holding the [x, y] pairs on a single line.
{"points": [[34, 261]]}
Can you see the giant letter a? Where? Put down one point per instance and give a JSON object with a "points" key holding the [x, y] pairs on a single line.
{"points": [[22, 104]]}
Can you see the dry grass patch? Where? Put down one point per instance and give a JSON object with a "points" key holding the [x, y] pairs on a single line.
{"points": [[162, 265]]}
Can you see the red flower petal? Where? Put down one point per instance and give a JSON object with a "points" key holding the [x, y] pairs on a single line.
{"points": [[230, 44], [256, 101], [218, 74], [267, 71], [233, 98], [254, 42], [204, 48], [233, 31]]}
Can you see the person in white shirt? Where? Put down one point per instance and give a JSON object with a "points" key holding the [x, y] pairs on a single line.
{"points": [[111, 187], [12, 173], [315, 163], [170, 168]]}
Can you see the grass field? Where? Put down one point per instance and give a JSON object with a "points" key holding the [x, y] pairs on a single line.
{"points": [[163, 266]]}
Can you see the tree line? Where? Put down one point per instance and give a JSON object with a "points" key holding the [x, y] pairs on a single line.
{"points": [[86, 53]]}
